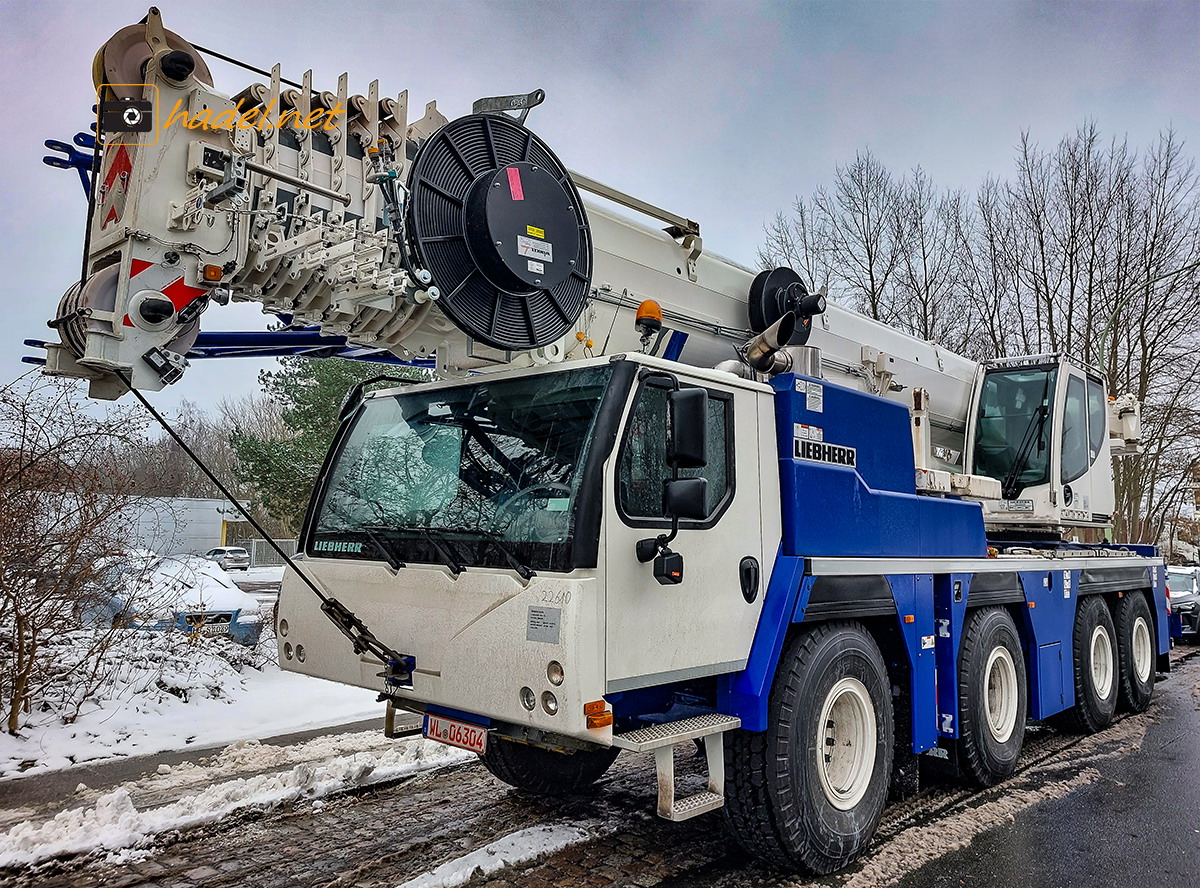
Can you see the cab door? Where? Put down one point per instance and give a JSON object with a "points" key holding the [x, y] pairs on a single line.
{"points": [[1085, 469], [704, 625]]}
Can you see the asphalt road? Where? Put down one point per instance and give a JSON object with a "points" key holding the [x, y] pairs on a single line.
{"points": [[1137, 825]]}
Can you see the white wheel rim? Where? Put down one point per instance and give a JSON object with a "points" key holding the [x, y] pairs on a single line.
{"points": [[1142, 656], [1000, 693], [1102, 662], [846, 743]]}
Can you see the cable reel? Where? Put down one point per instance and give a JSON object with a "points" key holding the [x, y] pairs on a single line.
{"points": [[494, 216]]}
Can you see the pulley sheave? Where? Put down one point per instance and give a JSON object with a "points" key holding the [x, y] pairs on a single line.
{"points": [[777, 291], [495, 218]]}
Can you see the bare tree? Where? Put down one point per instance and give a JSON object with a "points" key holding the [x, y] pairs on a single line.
{"points": [[65, 513], [1087, 249], [860, 220]]}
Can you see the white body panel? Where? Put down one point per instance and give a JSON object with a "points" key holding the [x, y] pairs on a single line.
{"points": [[704, 626], [619, 628], [468, 635]]}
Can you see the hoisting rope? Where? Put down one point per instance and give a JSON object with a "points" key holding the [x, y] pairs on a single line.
{"points": [[398, 667]]}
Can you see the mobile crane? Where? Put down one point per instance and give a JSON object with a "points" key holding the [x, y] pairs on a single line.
{"points": [[654, 496]]}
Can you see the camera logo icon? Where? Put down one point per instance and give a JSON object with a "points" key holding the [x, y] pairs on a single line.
{"points": [[127, 116]]}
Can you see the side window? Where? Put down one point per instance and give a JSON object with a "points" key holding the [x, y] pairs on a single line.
{"points": [[1097, 418], [1075, 458], [643, 461]]}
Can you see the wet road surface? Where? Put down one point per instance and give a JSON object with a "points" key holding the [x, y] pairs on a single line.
{"points": [[1114, 809]]}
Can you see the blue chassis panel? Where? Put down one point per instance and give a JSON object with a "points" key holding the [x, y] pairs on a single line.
{"points": [[938, 606]]}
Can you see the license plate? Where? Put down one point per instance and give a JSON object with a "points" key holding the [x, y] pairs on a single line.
{"points": [[455, 733]]}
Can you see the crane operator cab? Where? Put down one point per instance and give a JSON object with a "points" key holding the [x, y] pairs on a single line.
{"points": [[1044, 427]]}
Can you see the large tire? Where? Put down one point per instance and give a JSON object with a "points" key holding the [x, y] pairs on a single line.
{"points": [[788, 800], [1135, 649], [993, 698], [1094, 657], [543, 771]]}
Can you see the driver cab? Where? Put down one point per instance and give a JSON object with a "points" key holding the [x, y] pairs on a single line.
{"points": [[1040, 427]]}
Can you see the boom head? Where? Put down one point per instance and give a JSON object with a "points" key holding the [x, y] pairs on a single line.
{"points": [[332, 210]]}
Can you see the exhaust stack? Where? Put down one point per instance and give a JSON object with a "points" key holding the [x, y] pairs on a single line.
{"points": [[764, 352]]}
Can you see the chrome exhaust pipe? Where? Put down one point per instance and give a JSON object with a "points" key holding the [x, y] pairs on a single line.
{"points": [[765, 351]]}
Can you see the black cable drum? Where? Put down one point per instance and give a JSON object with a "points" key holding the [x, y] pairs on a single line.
{"points": [[495, 218]]}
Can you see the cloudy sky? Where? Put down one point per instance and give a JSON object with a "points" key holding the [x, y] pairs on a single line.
{"points": [[721, 112]]}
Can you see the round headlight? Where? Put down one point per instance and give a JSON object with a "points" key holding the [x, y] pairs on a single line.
{"points": [[554, 672], [528, 698], [550, 703]]}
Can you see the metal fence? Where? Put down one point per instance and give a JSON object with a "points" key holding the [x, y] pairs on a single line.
{"points": [[262, 554]]}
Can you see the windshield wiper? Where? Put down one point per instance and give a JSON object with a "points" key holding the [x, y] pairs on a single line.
{"points": [[448, 557], [1033, 432], [384, 549], [510, 556], [447, 553]]}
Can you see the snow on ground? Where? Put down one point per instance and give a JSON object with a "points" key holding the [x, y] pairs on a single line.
{"points": [[115, 824], [260, 575], [521, 846], [168, 694]]}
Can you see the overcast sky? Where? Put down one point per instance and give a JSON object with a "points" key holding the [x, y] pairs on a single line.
{"points": [[721, 112]]}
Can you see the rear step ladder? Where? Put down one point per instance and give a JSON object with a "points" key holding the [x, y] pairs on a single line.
{"points": [[663, 739]]}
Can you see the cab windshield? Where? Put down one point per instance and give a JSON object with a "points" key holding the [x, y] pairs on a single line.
{"points": [[483, 474], [1012, 432]]}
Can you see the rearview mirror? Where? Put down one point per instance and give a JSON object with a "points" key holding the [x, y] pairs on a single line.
{"points": [[686, 498], [689, 428]]}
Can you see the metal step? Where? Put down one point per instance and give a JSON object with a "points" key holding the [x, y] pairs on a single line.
{"points": [[662, 739], [697, 804], [670, 733]]}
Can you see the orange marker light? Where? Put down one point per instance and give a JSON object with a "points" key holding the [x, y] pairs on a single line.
{"points": [[910, 618], [212, 272], [600, 720], [594, 707]]}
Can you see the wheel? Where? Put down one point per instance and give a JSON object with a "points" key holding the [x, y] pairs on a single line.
{"points": [[543, 771], [807, 793], [1095, 666], [1135, 651], [992, 698]]}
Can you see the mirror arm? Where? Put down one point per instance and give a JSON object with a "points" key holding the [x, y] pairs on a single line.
{"points": [[648, 549]]}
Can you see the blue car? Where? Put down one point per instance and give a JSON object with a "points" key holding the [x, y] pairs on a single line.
{"points": [[186, 593]]}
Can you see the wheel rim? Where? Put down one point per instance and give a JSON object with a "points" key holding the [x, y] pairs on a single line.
{"points": [[846, 743], [1102, 662], [1142, 656], [1000, 693]]}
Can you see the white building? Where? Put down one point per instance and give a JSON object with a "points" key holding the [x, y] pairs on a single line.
{"points": [[183, 525]]}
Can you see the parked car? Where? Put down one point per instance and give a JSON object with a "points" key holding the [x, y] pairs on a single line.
{"points": [[183, 592], [229, 557], [1184, 583]]}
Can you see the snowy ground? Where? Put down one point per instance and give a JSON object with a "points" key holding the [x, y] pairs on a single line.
{"points": [[259, 575], [194, 794], [170, 695]]}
